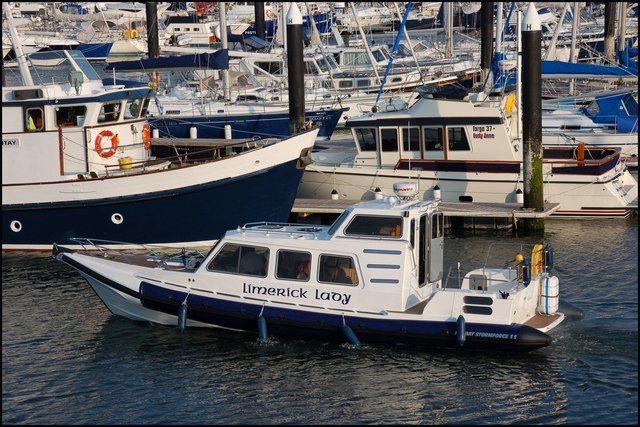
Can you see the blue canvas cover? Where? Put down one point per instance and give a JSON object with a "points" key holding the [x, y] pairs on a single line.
{"points": [[218, 60]]}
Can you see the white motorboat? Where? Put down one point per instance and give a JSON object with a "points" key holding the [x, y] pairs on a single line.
{"points": [[375, 276]]}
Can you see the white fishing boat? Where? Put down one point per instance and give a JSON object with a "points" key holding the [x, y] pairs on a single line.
{"points": [[76, 162], [467, 151], [375, 276]]}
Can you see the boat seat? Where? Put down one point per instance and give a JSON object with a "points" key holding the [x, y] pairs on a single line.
{"points": [[350, 273], [478, 282]]}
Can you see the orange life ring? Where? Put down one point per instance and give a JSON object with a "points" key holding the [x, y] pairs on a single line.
{"points": [[113, 141], [146, 136]]}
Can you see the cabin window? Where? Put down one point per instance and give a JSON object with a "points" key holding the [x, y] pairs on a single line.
{"points": [[389, 140], [345, 84], [437, 226], [310, 69], [432, 139], [132, 110], [145, 107], [109, 112], [338, 222], [366, 138], [34, 119], [355, 58], [363, 83], [247, 98], [411, 139], [396, 79], [371, 225], [270, 67], [293, 265], [337, 269], [241, 259], [457, 139], [70, 116]]}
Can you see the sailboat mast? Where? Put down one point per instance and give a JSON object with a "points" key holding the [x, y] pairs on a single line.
{"points": [[27, 80]]}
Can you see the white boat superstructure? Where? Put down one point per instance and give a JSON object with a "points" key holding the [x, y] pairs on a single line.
{"points": [[471, 152]]}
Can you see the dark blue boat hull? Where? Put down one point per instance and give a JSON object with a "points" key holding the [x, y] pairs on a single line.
{"points": [[199, 213], [244, 126]]}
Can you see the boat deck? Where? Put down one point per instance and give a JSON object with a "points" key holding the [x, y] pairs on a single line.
{"points": [[541, 321]]}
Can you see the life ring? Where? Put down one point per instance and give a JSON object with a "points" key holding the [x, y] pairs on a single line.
{"points": [[537, 257], [104, 153], [134, 34], [146, 136]]}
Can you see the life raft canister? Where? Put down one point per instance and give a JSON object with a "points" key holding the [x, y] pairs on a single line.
{"points": [[146, 136], [114, 140]]}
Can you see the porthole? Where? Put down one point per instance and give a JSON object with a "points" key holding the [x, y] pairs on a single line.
{"points": [[16, 226], [117, 218]]}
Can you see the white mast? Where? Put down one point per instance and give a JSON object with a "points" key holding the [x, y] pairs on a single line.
{"points": [[366, 45], [574, 34], [17, 47]]}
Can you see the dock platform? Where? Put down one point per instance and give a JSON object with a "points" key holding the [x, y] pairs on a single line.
{"points": [[466, 214]]}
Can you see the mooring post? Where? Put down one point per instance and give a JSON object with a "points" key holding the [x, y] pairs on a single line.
{"points": [[295, 65], [486, 37], [153, 45], [532, 152], [259, 10], [609, 29]]}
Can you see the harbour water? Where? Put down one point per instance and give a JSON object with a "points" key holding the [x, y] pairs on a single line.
{"points": [[67, 360]]}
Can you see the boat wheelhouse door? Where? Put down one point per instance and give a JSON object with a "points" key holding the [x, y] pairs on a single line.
{"points": [[431, 247], [436, 247], [389, 154]]}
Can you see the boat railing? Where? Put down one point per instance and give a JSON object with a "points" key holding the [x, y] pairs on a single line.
{"points": [[521, 260], [163, 256], [197, 154], [282, 228]]}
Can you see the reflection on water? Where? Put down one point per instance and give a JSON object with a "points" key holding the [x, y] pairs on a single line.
{"points": [[66, 359]]}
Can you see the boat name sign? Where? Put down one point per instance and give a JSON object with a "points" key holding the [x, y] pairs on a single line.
{"points": [[248, 288], [483, 132]]}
